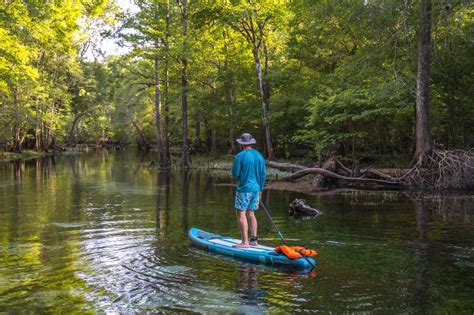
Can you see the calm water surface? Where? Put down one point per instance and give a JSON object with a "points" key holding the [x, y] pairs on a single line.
{"points": [[100, 232]]}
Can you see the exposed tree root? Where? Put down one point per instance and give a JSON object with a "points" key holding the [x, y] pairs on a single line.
{"points": [[440, 170]]}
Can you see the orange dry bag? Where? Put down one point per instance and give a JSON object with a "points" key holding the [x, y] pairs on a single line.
{"points": [[295, 252], [288, 251], [308, 252]]}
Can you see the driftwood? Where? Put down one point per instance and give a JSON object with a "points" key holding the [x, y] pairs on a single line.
{"points": [[301, 208], [327, 173], [333, 173], [285, 166]]}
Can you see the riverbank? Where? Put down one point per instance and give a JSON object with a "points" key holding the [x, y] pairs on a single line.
{"points": [[25, 155]]}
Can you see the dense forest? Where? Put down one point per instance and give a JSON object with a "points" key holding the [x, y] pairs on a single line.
{"points": [[308, 78]]}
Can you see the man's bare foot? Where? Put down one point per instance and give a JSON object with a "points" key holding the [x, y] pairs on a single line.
{"points": [[241, 245]]}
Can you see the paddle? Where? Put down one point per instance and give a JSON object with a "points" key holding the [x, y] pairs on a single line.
{"points": [[279, 233]]}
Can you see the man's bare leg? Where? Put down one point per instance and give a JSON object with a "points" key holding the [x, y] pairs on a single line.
{"points": [[252, 221], [243, 226]]}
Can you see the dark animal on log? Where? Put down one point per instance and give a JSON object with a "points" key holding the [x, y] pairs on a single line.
{"points": [[300, 207]]}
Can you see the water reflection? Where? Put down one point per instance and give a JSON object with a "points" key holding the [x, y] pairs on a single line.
{"points": [[185, 199], [102, 232], [159, 193], [247, 283], [248, 290], [422, 250]]}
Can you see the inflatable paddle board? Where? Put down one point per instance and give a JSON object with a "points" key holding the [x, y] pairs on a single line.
{"points": [[258, 254]]}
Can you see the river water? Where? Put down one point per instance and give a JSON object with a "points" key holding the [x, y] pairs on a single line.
{"points": [[101, 232]]}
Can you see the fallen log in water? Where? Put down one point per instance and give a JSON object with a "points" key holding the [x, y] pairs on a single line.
{"points": [[369, 178], [285, 166], [327, 173]]}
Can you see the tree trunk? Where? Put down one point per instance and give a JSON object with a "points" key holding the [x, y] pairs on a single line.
{"points": [[47, 139], [186, 159], [37, 128], [208, 134], [229, 96], [71, 137], [230, 100], [265, 108], [167, 87], [214, 122], [146, 145], [159, 133], [214, 136], [452, 118], [17, 141], [37, 140], [424, 143], [197, 127]]}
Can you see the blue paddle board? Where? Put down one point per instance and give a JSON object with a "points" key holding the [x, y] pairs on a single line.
{"points": [[258, 254]]}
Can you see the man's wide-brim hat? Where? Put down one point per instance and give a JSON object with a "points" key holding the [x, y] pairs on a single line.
{"points": [[246, 139]]}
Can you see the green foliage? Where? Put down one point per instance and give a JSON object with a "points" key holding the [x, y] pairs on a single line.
{"points": [[364, 58], [38, 64]]}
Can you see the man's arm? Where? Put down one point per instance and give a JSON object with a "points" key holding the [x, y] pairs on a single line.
{"points": [[236, 167], [263, 174]]}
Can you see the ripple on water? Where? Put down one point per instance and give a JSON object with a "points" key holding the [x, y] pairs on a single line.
{"points": [[69, 225]]}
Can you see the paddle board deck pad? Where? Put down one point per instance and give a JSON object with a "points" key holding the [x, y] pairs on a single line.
{"points": [[258, 254]]}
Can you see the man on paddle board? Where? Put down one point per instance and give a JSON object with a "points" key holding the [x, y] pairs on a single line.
{"points": [[250, 171]]}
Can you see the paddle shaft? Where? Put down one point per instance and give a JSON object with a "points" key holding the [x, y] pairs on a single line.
{"points": [[271, 220], [279, 233]]}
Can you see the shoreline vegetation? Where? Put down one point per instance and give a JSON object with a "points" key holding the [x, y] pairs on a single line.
{"points": [[309, 176]]}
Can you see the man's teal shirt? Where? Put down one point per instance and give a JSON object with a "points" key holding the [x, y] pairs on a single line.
{"points": [[250, 171]]}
